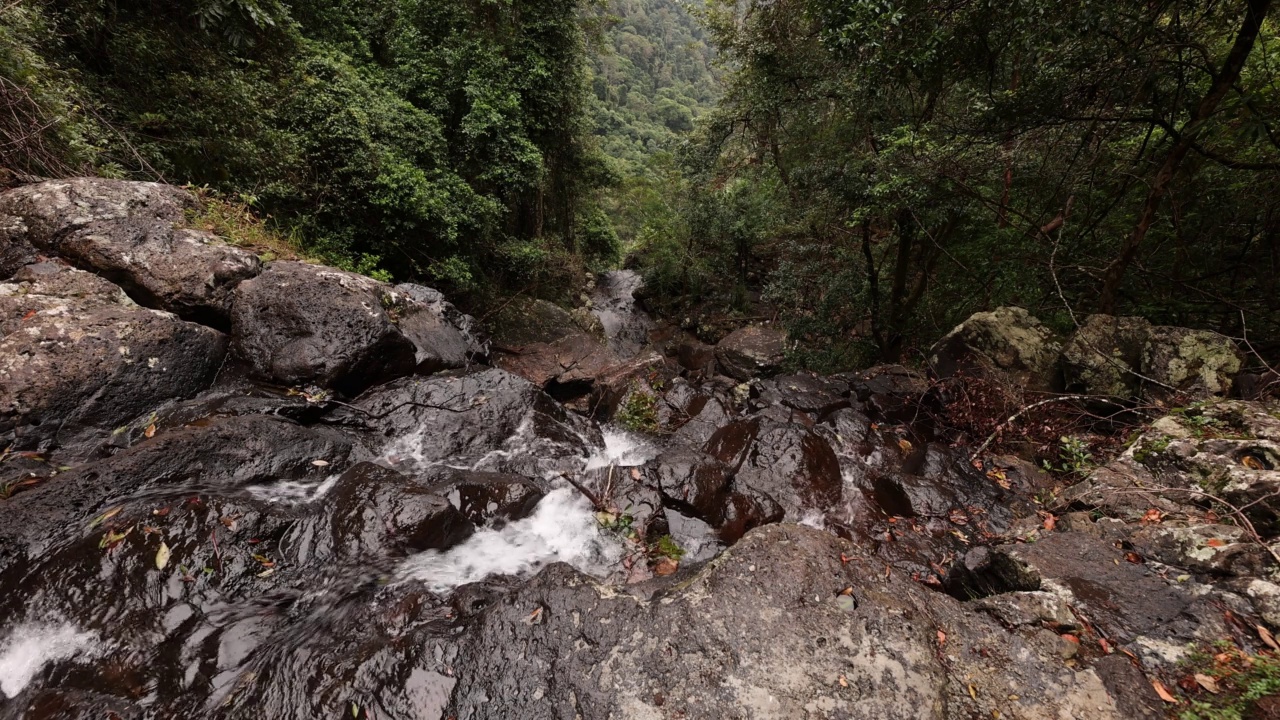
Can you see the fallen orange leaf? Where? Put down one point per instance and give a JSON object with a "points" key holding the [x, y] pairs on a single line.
{"points": [[1267, 637], [1163, 692]]}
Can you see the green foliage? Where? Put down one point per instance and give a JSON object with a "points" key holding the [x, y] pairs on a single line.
{"points": [[620, 524], [1074, 458], [922, 162], [666, 546], [402, 137], [1240, 678], [639, 412], [653, 77], [1148, 451]]}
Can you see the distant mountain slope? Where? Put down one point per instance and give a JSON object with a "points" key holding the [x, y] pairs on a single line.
{"points": [[652, 77]]}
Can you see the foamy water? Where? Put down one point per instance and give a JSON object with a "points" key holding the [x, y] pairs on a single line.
{"points": [[294, 492], [31, 646], [562, 528], [622, 449]]}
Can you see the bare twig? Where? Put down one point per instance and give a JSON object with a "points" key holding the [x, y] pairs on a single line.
{"points": [[595, 501], [1009, 420]]}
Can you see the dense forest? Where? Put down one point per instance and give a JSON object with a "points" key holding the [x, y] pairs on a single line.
{"points": [[882, 169], [447, 140], [870, 171]]}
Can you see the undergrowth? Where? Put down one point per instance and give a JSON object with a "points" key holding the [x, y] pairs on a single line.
{"points": [[639, 412], [1240, 679]]}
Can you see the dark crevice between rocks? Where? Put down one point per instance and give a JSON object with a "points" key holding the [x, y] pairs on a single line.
{"points": [[568, 391], [208, 317], [985, 572]]}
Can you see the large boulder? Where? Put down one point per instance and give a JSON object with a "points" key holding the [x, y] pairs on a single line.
{"points": [[300, 324], [489, 420], [129, 233], [1104, 356], [77, 356], [1193, 362], [377, 511], [443, 334], [552, 348], [753, 351], [790, 623], [692, 481], [1007, 339]]}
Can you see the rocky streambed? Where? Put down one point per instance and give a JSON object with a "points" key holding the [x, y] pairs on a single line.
{"points": [[246, 490]]}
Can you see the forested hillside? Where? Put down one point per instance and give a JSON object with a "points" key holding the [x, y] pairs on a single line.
{"points": [[441, 139], [654, 78], [882, 169], [872, 171]]}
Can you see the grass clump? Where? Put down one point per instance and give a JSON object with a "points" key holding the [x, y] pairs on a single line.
{"points": [[234, 220], [639, 412], [1241, 680]]}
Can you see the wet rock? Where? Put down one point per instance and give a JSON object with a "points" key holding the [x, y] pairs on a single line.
{"points": [[230, 399], [891, 393], [694, 415], [378, 511], [744, 511], [795, 467], [807, 392], [761, 632], [624, 325], [129, 233], [474, 340], [753, 351], [543, 343], [696, 356], [1104, 355], [299, 324], [79, 358], [732, 443], [443, 338], [490, 417], [691, 480], [1197, 362], [226, 453], [610, 386], [489, 499], [1006, 339], [567, 368]]}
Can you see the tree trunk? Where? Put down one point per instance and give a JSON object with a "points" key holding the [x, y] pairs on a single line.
{"points": [[1255, 13]]}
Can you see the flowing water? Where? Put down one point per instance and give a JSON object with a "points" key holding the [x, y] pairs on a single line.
{"points": [[626, 326]]}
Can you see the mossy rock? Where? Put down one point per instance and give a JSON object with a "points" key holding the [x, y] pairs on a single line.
{"points": [[1198, 362]]}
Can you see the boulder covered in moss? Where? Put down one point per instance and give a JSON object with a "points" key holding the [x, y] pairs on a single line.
{"points": [[1104, 355], [1008, 339], [1198, 362]]}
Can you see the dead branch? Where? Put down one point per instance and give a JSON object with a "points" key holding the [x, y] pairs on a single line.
{"points": [[1012, 418]]}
